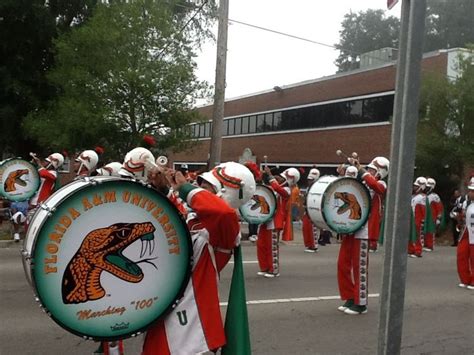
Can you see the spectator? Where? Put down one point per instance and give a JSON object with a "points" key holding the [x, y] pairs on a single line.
{"points": [[19, 211]]}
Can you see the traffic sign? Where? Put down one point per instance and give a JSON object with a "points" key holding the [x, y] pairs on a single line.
{"points": [[391, 3]]}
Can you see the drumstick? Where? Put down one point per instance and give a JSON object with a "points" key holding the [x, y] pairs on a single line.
{"points": [[350, 159]]}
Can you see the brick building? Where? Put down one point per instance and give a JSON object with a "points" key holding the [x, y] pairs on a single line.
{"points": [[305, 123]]}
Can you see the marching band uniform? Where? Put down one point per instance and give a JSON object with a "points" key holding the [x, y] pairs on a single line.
{"points": [[310, 231], [436, 207], [418, 205], [195, 325], [465, 248], [268, 252], [48, 178], [353, 259]]}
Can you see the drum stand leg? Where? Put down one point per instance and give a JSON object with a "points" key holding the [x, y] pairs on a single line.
{"points": [[275, 252]]}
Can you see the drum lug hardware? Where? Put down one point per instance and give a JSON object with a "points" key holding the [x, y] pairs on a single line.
{"points": [[45, 207]]}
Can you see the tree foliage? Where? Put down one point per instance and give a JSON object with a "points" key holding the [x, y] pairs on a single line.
{"points": [[127, 72], [445, 144], [27, 30], [363, 32], [449, 24]]}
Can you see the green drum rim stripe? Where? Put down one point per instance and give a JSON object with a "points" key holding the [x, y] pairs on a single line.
{"points": [[63, 314]]}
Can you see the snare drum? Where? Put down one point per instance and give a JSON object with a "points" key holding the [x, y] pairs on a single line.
{"points": [[107, 257], [261, 207], [340, 204], [19, 179]]}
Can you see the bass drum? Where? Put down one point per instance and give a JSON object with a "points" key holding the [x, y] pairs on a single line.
{"points": [[261, 207], [19, 179], [107, 257], [341, 204]]}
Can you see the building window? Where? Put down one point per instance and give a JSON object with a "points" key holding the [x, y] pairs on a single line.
{"points": [[245, 125], [268, 122], [252, 124], [225, 127], [202, 130], [238, 125], [231, 127], [260, 123]]}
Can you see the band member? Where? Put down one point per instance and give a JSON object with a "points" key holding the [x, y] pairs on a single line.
{"points": [[353, 260], [311, 233], [86, 162], [48, 176], [464, 215], [195, 325], [418, 206], [436, 208], [268, 251]]}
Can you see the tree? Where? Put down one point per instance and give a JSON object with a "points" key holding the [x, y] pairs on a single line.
{"points": [[364, 32], [127, 72], [27, 29], [449, 24], [445, 147]]}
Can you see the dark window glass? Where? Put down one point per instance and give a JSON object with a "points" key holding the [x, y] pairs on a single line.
{"points": [[238, 125], [252, 124], [201, 130], [355, 111], [378, 109], [277, 121], [260, 123], [225, 126], [268, 122], [231, 127], [245, 124], [207, 130]]}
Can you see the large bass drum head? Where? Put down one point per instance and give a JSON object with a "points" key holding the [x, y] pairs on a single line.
{"points": [[261, 207], [341, 204], [19, 179], [110, 258]]}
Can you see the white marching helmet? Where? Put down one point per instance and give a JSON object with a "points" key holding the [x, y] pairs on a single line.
{"points": [[234, 183], [111, 169], [138, 163], [313, 174], [381, 165], [291, 175], [351, 171], [56, 160], [470, 186], [88, 159], [431, 183], [420, 182]]}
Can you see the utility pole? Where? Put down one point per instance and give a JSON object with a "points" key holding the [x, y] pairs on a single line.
{"points": [[219, 87], [402, 163]]}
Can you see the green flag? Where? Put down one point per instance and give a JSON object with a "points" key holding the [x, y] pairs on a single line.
{"points": [[429, 226], [236, 319]]}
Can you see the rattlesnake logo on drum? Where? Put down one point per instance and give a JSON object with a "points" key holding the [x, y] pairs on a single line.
{"points": [[350, 203], [102, 250], [260, 202], [15, 178]]}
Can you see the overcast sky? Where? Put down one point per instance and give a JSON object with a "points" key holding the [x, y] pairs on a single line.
{"points": [[259, 60]]}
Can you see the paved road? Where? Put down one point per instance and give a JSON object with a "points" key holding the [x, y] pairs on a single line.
{"points": [[438, 318]]}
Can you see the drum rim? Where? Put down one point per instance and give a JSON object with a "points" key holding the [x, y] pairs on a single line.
{"points": [[34, 170], [274, 198], [177, 298]]}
